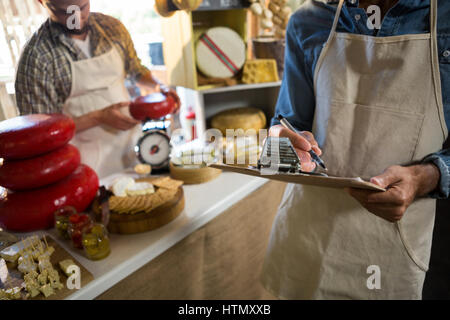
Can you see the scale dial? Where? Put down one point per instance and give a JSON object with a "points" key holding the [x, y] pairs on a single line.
{"points": [[154, 149]]}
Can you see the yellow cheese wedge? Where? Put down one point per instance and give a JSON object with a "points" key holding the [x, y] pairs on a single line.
{"points": [[47, 290], [65, 264], [260, 70]]}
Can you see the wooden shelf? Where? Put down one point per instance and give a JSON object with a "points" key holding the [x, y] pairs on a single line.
{"points": [[240, 87], [181, 32]]}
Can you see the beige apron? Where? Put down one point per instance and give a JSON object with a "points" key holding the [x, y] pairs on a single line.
{"points": [[378, 103], [97, 83]]}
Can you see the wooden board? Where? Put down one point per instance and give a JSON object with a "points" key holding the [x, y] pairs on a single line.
{"points": [[307, 179], [142, 222], [193, 175], [59, 255]]}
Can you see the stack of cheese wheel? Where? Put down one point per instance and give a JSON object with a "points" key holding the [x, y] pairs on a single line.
{"points": [[41, 171], [220, 53]]}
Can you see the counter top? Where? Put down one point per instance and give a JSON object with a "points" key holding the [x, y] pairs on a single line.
{"points": [[129, 253]]}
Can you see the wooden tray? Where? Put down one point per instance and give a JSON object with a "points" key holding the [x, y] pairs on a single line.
{"points": [[195, 175], [142, 222], [57, 256]]}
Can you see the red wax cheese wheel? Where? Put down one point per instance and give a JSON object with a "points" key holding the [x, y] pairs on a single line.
{"points": [[35, 134], [152, 106], [33, 210], [41, 170]]}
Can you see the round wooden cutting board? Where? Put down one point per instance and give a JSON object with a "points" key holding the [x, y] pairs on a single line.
{"points": [[142, 222], [193, 175]]}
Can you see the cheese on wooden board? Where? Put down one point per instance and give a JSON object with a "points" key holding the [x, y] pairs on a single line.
{"points": [[220, 53]]}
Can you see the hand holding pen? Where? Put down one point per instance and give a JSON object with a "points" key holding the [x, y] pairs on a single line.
{"points": [[304, 143]]}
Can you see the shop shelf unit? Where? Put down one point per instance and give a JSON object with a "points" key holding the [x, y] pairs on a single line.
{"points": [[181, 32], [206, 103]]}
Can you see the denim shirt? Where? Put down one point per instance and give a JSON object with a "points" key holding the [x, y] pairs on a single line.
{"points": [[307, 32]]}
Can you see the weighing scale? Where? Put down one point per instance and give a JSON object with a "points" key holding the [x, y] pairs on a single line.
{"points": [[154, 146]]}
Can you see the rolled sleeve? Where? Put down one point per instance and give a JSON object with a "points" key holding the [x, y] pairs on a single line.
{"points": [[442, 161], [296, 100]]}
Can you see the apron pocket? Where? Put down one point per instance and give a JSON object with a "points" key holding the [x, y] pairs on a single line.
{"points": [[373, 138]]}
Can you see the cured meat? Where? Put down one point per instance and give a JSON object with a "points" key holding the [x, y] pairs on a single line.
{"points": [[35, 134], [32, 210], [41, 170]]}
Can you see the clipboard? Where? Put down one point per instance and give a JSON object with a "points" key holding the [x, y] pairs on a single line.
{"points": [[302, 178]]}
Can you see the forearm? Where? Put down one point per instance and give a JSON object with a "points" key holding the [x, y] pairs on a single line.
{"points": [[147, 79], [86, 121]]}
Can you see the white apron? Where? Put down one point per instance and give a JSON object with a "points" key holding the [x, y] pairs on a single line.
{"points": [[97, 83], [378, 103]]}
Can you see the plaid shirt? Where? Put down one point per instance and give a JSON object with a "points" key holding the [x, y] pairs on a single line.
{"points": [[44, 77]]}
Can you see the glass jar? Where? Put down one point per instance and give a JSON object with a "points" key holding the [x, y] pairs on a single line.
{"points": [[62, 216], [96, 242], [78, 223]]}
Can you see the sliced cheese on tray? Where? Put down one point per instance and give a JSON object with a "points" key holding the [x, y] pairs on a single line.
{"points": [[12, 253], [140, 189]]}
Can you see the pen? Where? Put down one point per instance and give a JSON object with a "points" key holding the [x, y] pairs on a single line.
{"points": [[314, 156]]}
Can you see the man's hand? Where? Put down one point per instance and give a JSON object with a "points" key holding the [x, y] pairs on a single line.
{"points": [[301, 145], [171, 92], [113, 117], [403, 184], [147, 80]]}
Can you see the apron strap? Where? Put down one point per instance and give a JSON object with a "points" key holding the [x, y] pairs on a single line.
{"points": [[435, 66], [433, 18], [102, 32], [336, 17]]}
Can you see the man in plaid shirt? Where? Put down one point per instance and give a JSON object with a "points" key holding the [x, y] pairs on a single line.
{"points": [[79, 69], [44, 77]]}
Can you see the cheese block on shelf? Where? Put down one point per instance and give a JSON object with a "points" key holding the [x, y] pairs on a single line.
{"points": [[220, 53], [239, 118], [260, 70]]}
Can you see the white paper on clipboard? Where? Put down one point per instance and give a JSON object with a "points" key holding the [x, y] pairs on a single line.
{"points": [[301, 178]]}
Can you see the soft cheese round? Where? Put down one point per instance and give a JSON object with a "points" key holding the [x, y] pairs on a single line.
{"points": [[220, 53]]}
